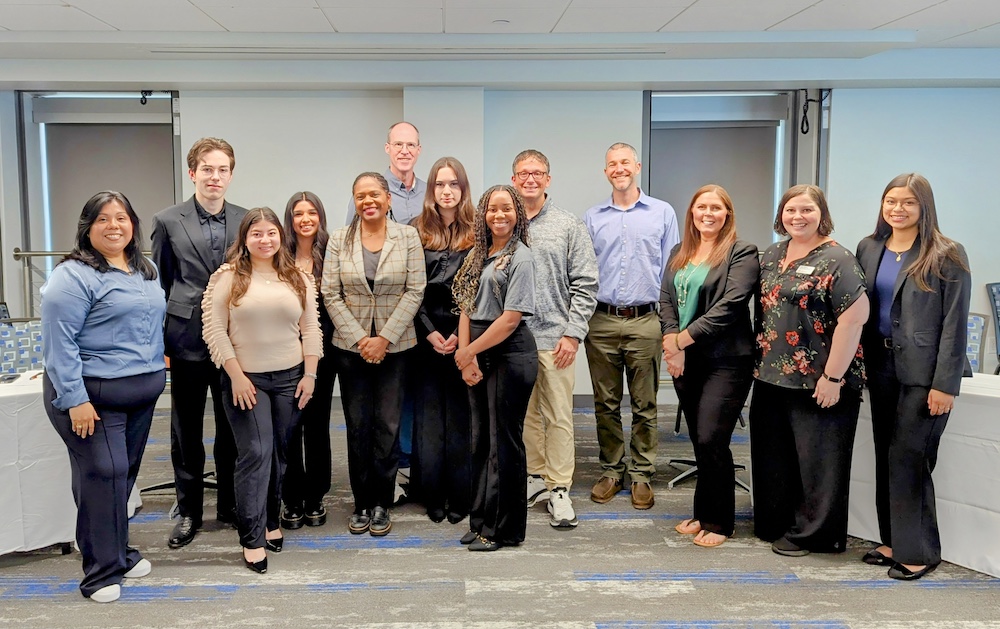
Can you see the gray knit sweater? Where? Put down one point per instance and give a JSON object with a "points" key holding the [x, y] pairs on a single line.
{"points": [[565, 276]]}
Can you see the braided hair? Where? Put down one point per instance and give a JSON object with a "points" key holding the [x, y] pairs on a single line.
{"points": [[466, 285]]}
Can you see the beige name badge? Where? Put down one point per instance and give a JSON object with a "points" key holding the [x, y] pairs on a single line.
{"points": [[805, 270]]}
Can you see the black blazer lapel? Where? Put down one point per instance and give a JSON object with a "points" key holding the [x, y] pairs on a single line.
{"points": [[192, 227], [908, 259]]}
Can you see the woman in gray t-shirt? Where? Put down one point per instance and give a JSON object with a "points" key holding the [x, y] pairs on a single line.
{"points": [[495, 290]]}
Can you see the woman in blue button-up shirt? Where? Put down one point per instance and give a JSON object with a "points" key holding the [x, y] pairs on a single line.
{"points": [[102, 343]]}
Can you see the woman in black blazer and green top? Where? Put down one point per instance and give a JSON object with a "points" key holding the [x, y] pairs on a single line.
{"points": [[708, 344], [914, 344]]}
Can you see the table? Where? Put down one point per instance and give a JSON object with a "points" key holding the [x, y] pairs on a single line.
{"points": [[36, 498], [966, 480], [36, 494]]}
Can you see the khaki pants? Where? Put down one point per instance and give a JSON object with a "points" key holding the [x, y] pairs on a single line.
{"points": [[633, 347], [548, 425]]}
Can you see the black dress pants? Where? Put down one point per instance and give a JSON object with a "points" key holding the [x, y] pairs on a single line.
{"points": [[801, 457], [308, 473], [712, 393], [499, 403], [373, 400], [441, 432], [262, 434], [907, 437], [104, 467], [189, 385]]}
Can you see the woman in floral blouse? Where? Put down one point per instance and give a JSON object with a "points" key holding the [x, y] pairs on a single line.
{"points": [[809, 375]]}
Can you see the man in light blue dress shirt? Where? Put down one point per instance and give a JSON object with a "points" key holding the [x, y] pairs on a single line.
{"points": [[402, 145], [633, 235]]}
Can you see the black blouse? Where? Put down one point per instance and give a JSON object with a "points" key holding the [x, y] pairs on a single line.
{"points": [[435, 313]]}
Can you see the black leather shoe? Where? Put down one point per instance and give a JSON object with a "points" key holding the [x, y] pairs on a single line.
{"points": [[274, 545], [184, 531], [360, 522], [455, 518], [260, 567], [874, 558], [315, 515], [291, 517], [469, 537], [901, 572], [436, 515], [381, 524]]}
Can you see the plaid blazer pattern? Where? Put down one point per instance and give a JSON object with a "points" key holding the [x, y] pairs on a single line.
{"points": [[399, 288]]}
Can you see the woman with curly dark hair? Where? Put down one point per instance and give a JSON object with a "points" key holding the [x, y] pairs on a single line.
{"points": [[262, 328], [495, 290]]}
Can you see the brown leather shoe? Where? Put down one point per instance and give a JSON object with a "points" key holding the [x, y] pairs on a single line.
{"points": [[605, 489], [642, 495]]}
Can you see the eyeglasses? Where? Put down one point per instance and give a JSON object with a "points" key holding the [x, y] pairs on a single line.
{"points": [[908, 204], [536, 175], [399, 146], [208, 171]]}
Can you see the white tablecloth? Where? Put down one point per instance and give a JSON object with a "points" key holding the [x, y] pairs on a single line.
{"points": [[966, 480], [36, 499]]}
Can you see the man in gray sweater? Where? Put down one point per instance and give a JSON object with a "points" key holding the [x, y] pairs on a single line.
{"points": [[566, 277]]}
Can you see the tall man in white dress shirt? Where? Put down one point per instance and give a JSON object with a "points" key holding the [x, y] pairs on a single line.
{"points": [[633, 235]]}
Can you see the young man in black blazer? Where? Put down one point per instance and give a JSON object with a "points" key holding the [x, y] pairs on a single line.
{"points": [[189, 243]]}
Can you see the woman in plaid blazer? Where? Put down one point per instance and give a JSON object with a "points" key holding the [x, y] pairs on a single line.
{"points": [[373, 283]]}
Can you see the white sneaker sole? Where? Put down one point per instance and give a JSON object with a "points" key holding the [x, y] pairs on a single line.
{"points": [[140, 569], [107, 594]]}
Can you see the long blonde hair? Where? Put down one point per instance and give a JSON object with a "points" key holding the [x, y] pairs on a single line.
{"points": [[692, 237]]}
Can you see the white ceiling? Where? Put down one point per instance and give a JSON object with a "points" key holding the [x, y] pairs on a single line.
{"points": [[488, 29]]}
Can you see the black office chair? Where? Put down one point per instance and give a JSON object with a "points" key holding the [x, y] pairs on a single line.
{"points": [[692, 466]]}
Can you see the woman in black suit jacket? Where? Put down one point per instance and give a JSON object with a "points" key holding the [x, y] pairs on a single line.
{"points": [[708, 343], [914, 344]]}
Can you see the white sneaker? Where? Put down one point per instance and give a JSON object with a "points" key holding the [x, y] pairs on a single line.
{"points": [[140, 569], [107, 594], [537, 491], [561, 509]]}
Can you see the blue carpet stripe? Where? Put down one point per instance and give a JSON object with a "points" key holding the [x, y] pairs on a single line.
{"points": [[724, 624]]}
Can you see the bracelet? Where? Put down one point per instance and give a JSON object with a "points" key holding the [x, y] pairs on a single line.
{"points": [[833, 380], [677, 342], [310, 375]]}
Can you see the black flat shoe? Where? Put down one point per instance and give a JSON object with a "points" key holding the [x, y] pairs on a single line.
{"points": [[901, 572], [315, 515], [784, 546], [260, 567], [483, 544], [274, 545], [360, 522], [874, 558], [455, 518], [469, 537], [436, 515]]}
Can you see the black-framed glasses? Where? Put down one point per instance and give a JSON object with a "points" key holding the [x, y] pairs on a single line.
{"points": [[537, 175]]}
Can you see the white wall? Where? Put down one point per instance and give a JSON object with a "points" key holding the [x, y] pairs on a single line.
{"points": [[572, 129], [948, 135], [289, 141]]}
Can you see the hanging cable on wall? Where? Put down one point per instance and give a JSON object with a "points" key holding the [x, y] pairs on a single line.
{"points": [[823, 95], [144, 95]]}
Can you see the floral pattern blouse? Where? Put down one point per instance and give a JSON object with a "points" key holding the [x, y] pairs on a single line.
{"points": [[798, 314]]}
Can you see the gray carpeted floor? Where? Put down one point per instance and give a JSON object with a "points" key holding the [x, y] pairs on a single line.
{"points": [[620, 569]]}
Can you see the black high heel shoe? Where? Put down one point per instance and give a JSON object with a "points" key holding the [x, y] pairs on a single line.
{"points": [[260, 567], [274, 545]]}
